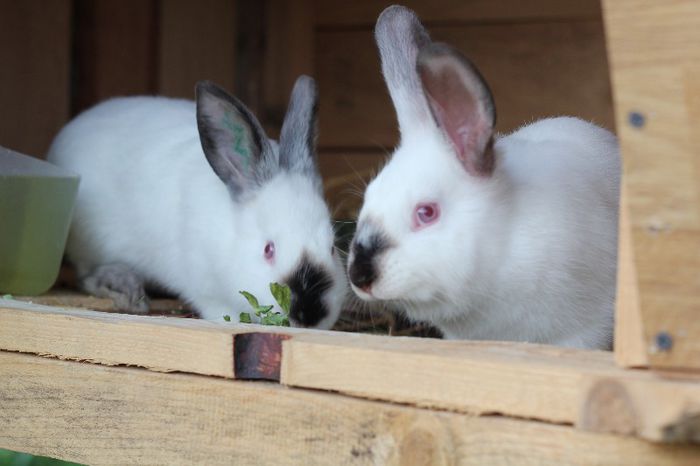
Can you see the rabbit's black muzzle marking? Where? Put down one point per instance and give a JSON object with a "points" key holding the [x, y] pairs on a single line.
{"points": [[363, 270], [309, 284]]}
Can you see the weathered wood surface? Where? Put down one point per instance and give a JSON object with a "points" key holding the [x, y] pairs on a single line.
{"points": [[630, 342], [158, 343], [529, 381], [662, 410], [74, 299], [534, 69], [108, 415], [655, 68]]}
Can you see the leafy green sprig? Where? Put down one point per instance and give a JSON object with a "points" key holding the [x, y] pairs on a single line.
{"points": [[283, 296]]}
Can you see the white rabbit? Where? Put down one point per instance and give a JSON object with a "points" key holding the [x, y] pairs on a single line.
{"points": [[204, 219], [494, 238]]}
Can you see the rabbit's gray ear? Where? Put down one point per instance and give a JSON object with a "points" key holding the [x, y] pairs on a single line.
{"points": [[461, 103], [297, 148], [233, 141], [400, 35]]}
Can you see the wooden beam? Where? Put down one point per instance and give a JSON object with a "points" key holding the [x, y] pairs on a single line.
{"points": [[35, 50], [334, 13], [661, 410], [522, 380], [157, 343], [529, 381], [288, 53], [629, 334], [115, 50], [73, 299], [105, 415], [654, 61]]}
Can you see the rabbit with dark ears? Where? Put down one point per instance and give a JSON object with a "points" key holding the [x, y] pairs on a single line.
{"points": [[485, 237], [194, 198]]}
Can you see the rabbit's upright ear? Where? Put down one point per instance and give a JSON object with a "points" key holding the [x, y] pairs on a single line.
{"points": [[233, 141], [400, 35], [297, 150], [461, 103]]}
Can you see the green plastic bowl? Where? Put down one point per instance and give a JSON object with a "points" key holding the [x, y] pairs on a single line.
{"points": [[36, 205]]}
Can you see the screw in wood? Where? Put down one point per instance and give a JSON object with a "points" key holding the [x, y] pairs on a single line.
{"points": [[636, 119], [664, 341]]}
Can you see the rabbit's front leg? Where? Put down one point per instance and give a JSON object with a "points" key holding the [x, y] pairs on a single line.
{"points": [[119, 283]]}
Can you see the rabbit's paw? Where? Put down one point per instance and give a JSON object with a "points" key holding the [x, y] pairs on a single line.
{"points": [[121, 284]]}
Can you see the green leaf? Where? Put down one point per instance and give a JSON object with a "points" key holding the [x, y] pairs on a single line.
{"points": [[227, 318], [283, 296], [252, 300], [7, 296], [244, 317], [263, 310]]}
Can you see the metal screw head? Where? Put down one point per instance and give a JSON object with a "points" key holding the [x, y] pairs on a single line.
{"points": [[636, 119], [664, 341]]}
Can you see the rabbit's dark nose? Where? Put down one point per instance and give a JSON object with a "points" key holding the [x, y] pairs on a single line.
{"points": [[362, 271]]}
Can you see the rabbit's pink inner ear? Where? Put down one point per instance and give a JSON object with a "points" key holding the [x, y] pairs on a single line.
{"points": [[461, 105]]}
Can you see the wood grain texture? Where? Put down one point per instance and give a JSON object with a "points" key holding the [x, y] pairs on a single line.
{"points": [[629, 334], [158, 343], [115, 52], [661, 410], [107, 415], [73, 299], [534, 70], [288, 53], [473, 377], [521, 380], [333, 13], [34, 82], [656, 77], [530, 381], [197, 41]]}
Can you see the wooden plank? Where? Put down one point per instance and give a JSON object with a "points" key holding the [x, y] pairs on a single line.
{"points": [[333, 13], [74, 299], [107, 415], [629, 335], [34, 83], [642, 405], [288, 53], [157, 343], [531, 381], [464, 376], [534, 69], [655, 74], [197, 41], [468, 376], [115, 50]]}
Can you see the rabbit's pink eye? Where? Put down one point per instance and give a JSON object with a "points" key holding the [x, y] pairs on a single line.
{"points": [[425, 214], [270, 251]]}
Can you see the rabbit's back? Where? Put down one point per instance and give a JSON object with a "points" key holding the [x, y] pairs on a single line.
{"points": [[144, 180]]}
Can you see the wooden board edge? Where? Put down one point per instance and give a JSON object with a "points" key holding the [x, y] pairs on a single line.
{"points": [[630, 349], [159, 418], [648, 407]]}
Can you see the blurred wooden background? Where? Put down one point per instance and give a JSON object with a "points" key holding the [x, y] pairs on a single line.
{"points": [[541, 58]]}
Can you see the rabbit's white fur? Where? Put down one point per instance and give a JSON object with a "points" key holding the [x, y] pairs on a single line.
{"points": [[527, 253], [149, 199]]}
